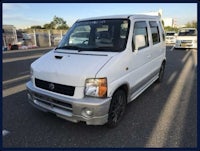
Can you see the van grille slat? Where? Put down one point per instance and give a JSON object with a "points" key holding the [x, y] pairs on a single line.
{"points": [[52, 102], [58, 88], [186, 41]]}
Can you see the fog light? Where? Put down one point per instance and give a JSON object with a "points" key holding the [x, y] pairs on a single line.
{"points": [[87, 112], [29, 96]]}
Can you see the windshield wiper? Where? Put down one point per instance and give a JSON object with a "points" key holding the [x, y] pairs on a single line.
{"points": [[108, 49], [69, 47], [79, 49]]}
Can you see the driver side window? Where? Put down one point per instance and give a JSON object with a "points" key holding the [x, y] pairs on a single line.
{"points": [[140, 36], [80, 35]]}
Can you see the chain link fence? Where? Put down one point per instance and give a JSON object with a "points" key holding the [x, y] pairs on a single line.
{"points": [[31, 38]]}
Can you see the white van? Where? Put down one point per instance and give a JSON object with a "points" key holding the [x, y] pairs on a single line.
{"points": [[170, 37], [92, 78], [187, 38]]}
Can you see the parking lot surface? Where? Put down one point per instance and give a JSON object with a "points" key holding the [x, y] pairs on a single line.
{"points": [[165, 115]]}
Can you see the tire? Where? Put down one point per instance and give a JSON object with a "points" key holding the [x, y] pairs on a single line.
{"points": [[14, 47], [161, 73], [117, 108]]}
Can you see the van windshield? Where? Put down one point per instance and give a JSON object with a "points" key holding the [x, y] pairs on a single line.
{"points": [[170, 34], [97, 35], [187, 32]]}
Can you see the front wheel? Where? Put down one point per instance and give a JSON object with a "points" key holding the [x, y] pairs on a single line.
{"points": [[117, 108]]}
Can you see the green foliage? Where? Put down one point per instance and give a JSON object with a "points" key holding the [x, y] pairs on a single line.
{"points": [[163, 23], [57, 23], [36, 27], [49, 26], [63, 27], [192, 24], [169, 28]]}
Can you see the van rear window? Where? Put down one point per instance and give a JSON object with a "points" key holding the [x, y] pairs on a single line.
{"points": [[154, 32]]}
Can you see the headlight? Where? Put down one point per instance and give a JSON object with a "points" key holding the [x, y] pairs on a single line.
{"points": [[194, 41], [96, 87]]}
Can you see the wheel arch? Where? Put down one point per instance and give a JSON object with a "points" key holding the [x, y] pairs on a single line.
{"points": [[124, 87], [164, 62]]}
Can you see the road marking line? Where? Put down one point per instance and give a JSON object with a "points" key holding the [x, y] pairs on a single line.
{"points": [[21, 58], [5, 132], [172, 48], [13, 90], [16, 79], [171, 78], [186, 57], [161, 130]]}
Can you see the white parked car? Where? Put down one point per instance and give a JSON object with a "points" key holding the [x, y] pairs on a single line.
{"points": [[170, 37], [92, 81], [187, 38]]}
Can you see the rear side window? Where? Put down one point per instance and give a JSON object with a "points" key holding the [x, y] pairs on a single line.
{"points": [[140, 32], [162, 31], [154, 32]]}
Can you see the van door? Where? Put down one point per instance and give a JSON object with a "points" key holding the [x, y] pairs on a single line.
{"points": [[141, 55], [157, 47]]}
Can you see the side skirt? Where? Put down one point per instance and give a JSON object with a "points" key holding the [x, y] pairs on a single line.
{"points": [[142, 86]]}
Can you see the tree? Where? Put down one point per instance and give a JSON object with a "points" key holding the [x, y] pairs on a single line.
{"points": [[63, 27], [169, 28], [49, 26], [192, 24], [36, 27], [57, 23], [163, 23]]}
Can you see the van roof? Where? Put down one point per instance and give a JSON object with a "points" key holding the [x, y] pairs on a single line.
{"points": [[121, 17]]}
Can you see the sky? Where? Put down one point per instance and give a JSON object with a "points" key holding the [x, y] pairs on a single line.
{"points": [[23, 15]]}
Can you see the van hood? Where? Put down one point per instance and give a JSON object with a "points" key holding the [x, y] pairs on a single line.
{"points": [[69, 68]]}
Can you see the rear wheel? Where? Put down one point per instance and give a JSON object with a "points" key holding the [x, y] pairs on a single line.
{"points": [[161, 73], [117, 108]]}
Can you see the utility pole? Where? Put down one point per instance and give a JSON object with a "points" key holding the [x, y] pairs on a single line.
{"points": [[60, 34], [4, 41], [49, 38], [34, 34], [15, 35]]}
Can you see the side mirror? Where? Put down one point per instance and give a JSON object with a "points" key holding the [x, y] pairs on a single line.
{"points": [[139, 41]]}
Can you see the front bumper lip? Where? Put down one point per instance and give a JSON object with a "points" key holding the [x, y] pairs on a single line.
{"points": [[69, 108]]}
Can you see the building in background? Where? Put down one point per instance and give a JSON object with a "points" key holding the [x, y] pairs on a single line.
{"points": [[9, 35], [169, 22], [155, 13]]}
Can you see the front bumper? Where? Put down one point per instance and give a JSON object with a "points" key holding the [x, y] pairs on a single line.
{"points": [[93, 111], [185, 45]]}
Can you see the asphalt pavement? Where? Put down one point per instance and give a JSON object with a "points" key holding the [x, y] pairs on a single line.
{"points": [[165, 115]]}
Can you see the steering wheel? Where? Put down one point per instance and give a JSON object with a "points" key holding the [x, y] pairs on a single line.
{"points": [[84, 42]]}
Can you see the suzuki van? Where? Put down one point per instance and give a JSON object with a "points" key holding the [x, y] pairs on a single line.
{"points": [[99, 66], [170, 37], [187, 38]]}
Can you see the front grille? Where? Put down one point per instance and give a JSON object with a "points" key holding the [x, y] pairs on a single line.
{"points": [[54, 87], [186, 41], [52, 102]]}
